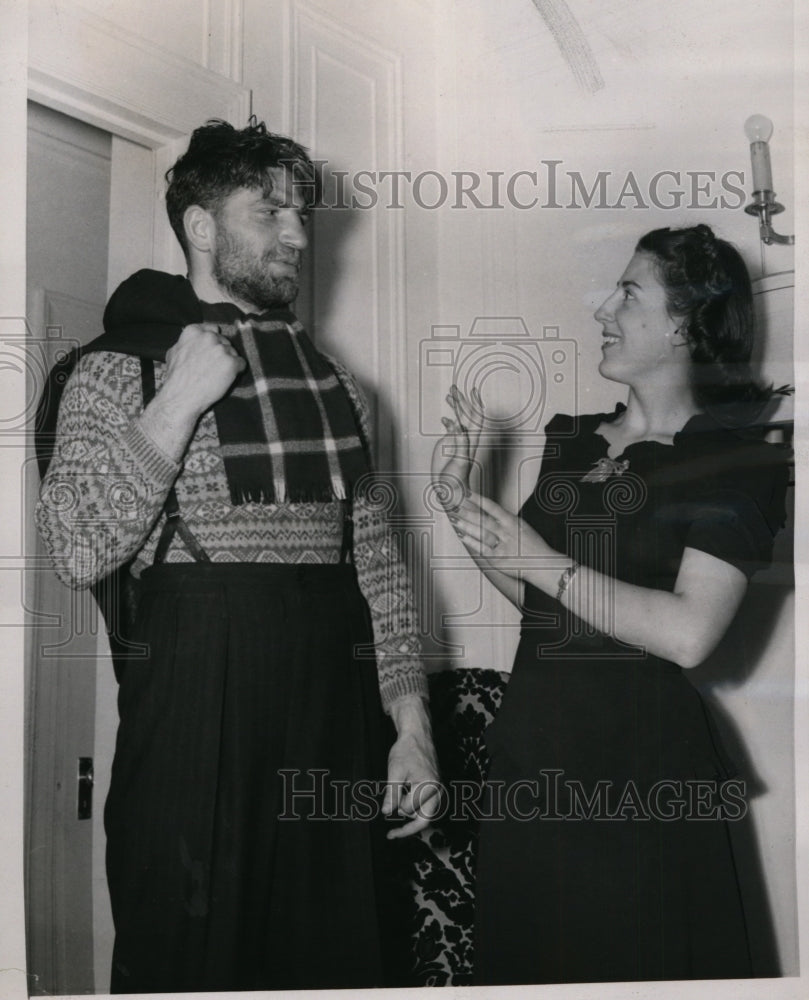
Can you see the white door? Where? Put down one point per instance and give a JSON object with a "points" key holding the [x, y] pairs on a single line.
{"points": [[67, 228], [357, 83]]}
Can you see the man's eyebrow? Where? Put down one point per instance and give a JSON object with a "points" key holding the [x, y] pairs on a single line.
{"points": [[629, 283], [278, 200]]}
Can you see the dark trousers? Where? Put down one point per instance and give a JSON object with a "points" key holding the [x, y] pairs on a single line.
{"points": [[238, 856]]}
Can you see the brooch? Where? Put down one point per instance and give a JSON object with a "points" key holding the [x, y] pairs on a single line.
{"points": [[604, 468]]}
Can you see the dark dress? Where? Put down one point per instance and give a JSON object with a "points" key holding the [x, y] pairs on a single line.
{"points": [[612, 860]]}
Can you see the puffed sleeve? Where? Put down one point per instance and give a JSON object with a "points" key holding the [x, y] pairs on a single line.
{"points": [[738, 510]]}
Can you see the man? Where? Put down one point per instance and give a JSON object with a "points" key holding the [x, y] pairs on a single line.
{"points": [[240, 852]]}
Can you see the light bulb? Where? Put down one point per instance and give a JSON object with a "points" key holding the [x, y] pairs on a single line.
{"points": [[758, 128]]}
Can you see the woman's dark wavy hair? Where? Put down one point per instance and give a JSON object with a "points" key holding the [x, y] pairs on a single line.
{"points": [[708, 289], [221, 158]]}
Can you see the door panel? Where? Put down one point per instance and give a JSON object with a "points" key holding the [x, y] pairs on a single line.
{"points": [[68, 211]]}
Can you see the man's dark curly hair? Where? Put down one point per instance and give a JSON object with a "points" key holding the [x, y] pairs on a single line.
{"points": [[220, 159]]}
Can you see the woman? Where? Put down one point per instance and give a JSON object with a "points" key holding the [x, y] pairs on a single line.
{"points": [[606, 854]]}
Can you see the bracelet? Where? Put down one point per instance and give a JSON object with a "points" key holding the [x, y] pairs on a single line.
{"points": [[564, 580]]}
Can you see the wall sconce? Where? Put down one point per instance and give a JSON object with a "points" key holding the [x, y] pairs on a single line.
{"points": [[758, 130]]}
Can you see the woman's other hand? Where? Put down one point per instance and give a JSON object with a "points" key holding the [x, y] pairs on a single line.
{"points": [[454, 454], [497, 536]]}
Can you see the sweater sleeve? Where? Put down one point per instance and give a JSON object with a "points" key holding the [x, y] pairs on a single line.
{"points": [[107, 481], [385, 583]]}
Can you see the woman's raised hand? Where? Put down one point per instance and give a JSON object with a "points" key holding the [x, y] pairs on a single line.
{"points": [[454, 454]]}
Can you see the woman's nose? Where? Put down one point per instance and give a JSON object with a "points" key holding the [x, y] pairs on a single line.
{"points": [[605, 310]]}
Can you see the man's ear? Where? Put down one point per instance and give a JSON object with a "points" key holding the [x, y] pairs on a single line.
{"points": [[200, 228]]}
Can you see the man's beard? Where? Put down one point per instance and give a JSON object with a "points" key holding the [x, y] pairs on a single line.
{"points": [[247, 278]]}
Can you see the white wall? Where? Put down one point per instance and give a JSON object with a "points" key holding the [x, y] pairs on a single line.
{"points": [[13, 42], [206, 32]]}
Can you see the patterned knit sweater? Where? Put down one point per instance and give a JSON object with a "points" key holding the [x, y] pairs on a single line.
{"points": [[102, 499]]}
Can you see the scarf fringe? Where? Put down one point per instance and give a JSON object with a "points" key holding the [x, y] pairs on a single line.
{"points": [[244, 495]]}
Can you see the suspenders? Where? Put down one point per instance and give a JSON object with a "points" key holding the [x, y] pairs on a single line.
{"points": [[174, 523], [348, 532]]}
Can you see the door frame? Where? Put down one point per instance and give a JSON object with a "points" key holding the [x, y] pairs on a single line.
{"points": [[149, 99], [131, 89]]}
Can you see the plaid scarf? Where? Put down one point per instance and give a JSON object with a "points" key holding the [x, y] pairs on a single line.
{"points": [[287, 429]]}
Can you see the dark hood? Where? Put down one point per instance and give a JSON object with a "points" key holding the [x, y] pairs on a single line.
{"points": [[147, 313], [144, 317]]}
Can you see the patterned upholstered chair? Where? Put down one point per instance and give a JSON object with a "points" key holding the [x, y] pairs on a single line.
{"points": [[463, 703]]}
